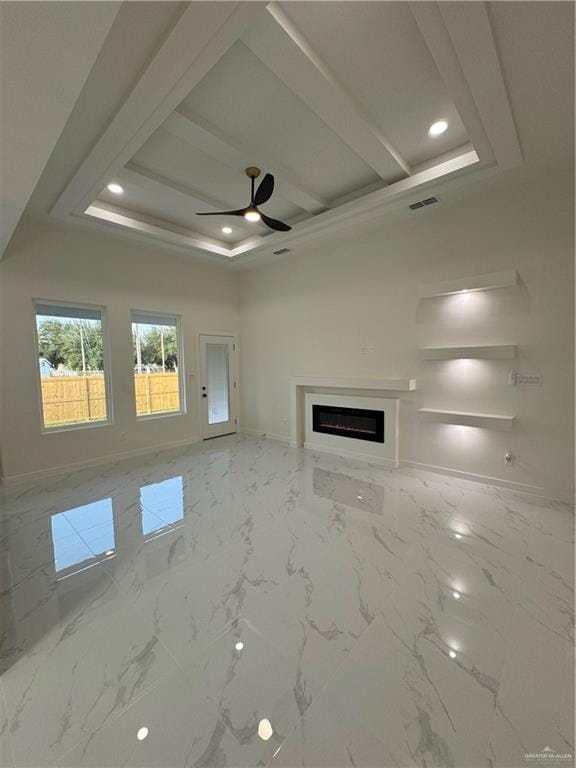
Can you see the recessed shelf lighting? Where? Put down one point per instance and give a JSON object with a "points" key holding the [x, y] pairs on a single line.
{"points": [[227, 230], [494, 352], [467, 419], [116, 189], [457, 535], [488, 282], [438, 128]]}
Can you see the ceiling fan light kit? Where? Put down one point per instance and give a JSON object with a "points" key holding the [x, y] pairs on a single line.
{"points": [[259, 197]]}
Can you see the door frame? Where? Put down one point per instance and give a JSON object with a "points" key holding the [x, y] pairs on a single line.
{"points": [[234, 394]]}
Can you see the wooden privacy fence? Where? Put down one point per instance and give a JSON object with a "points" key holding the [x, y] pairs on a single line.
{"points": [[76, 399], [156, 393]]}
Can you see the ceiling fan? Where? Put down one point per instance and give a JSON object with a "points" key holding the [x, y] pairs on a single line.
{"points": [[262, 195]]}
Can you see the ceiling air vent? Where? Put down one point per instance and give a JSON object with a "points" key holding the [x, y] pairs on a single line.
{"points": [[281, 251], [422, 203]]}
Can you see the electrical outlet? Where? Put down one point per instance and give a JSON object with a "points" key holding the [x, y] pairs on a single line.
{"points": [[508, 458]]}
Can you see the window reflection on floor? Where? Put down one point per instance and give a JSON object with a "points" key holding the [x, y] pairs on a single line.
{"points": [[162, 504], [82, 533]]}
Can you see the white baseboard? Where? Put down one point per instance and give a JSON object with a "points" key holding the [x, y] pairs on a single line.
{"points": [[42, 474], [371, 459], [533, 490], [258, 433]]}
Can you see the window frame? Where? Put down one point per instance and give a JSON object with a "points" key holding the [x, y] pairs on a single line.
{"points": [[44, 430], [181, 378]]}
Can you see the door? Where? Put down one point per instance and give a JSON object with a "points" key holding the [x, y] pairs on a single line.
{"points": [[217, 385]]}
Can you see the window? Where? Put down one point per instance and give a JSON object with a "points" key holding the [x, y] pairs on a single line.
{"points": [[74, 385], [157, 372]]}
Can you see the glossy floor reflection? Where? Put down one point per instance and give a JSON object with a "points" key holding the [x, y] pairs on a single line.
{"points": [[243, 604]]}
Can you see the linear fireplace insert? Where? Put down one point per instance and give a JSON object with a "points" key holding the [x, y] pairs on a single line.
{"points": [[359, 423]]}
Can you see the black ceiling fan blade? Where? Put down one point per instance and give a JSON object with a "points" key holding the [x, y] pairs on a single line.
{"points": [[274, 223], [223, 213], [264, 191]]}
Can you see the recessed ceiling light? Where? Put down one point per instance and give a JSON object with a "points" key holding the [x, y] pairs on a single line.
{"points": [[252, 215], [239, 645], [457, 535], [142, 733], [227, 230], [438, 128], [456, 595], [265, 730], [116, 189], [452, 655]]}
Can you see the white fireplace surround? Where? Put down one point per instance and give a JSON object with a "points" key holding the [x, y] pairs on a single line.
{"points": [[381, 453], [374, 394]]}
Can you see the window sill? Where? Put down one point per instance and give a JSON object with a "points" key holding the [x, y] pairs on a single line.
{"points": [[164, 415], [75, 427]]}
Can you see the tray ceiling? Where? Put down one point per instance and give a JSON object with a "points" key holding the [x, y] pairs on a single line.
{"points": [[334, 99]]}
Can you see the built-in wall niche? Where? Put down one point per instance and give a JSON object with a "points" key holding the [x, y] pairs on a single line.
{"points": [[479, 352], [487, 282]]}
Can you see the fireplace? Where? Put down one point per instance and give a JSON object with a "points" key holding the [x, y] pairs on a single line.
{"points": [[359, 423]]}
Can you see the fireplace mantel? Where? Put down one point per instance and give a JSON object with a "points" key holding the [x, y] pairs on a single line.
{"points": [[344, 384], [352, 382]]}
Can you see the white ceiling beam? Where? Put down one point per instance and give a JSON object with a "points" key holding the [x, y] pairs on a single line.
{"points": [[146, 179], [237, 155], [145, 225], [436, 36], [471, 34], [285, 51], [460, 40], [203, 34]]}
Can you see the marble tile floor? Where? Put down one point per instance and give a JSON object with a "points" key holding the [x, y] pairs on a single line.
{"points": [[157, 612]]}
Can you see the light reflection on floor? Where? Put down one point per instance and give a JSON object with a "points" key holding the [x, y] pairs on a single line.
{"points": [[242, 603]]}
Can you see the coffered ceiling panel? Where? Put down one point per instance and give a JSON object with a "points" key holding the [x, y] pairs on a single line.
{"points": [[210, 181], [242, 98], [377, 53], [335, 99]]}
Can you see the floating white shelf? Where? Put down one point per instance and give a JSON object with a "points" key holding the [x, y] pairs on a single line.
{"points": [[494, 352], [486, 420], [486, 282], [404, 385]]}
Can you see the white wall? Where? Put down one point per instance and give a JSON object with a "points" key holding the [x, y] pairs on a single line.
{"points": [[50, 262], [310, 313]]}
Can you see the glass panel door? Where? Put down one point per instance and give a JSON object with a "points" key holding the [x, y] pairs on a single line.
{"points": [[218, 382], [217, 385]]}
